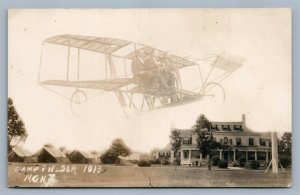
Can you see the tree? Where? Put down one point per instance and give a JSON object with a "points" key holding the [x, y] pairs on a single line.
{"points": [[176, 142], [205, 140], [285, 144], [117, 148], [15, 127], [285, 149]]}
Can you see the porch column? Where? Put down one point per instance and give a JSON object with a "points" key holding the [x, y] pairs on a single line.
{"points": [[172, 156], [246, 156], [267, 156], [234, 157], [255, 157], [201, 157], [181, 155], [221, 151], [190, 156]]}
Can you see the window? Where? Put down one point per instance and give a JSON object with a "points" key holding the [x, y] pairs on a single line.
{"points": [[261, 156], [251, 142], [237, 127], [262, 142], [230, 141], [195, 154], [270, 144], [215, 127], [185, 154], [251, 155], [225, 140], [238, 141], [186, 141]]}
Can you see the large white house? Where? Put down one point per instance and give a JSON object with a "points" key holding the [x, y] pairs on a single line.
{"points": [[242, 142]]}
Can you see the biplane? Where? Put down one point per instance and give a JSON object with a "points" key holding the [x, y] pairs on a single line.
{"points": [[117, 57]]}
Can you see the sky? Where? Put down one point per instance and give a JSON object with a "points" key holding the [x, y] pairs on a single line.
{"points": [[261, 88]]}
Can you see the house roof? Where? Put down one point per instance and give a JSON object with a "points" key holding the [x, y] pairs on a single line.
{"points": [[227, 123], [20, 151], [186, 132], [84, 154], [52, 151]]}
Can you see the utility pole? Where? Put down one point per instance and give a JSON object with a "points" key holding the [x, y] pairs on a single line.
{"points": [[274, 162], [274, 152]]}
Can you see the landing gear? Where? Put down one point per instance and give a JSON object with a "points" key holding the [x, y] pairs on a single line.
{"points": [[215, 90]]}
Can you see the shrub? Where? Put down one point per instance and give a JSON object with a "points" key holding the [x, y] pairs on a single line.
{"points": [[108, 158], [165, 161], [284, 161], [255, 164], [156, 161], [242, 161], [223, 164], [215, 159], [144, 163], [177, 161]]}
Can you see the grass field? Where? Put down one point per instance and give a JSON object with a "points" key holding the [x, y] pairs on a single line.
{"points": [[71, 175]]}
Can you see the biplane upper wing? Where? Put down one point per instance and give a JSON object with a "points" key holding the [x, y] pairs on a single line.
{"points": [[91, 43], [181, 61], [107, 84], [228, 63], [109, 46]]}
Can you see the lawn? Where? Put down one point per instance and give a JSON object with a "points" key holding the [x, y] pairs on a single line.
{"points": [[75, 175]]}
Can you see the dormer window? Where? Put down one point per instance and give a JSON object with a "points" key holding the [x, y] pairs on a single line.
{"points": [[237, 127], [224, 127], [225, 140], [215, 127]]}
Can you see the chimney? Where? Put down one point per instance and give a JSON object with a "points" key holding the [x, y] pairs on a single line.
{"points": [[243, 121]]}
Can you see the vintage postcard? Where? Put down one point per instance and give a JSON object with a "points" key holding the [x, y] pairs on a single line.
{"points": [[149, 98]]}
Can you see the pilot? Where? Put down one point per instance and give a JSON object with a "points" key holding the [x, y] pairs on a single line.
{"points": [[150, 74], [137, 65], [168, 70], [153, 76], [153, 62]]}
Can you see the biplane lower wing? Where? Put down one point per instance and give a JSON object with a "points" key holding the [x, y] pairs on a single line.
{"points": [[107, 84], [155, 92]]}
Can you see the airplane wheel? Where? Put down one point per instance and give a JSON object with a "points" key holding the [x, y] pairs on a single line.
{"points": [[215, 90], [78, 101]]}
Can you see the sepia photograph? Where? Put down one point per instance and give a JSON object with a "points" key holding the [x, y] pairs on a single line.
{"points": [[194, 97]]}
